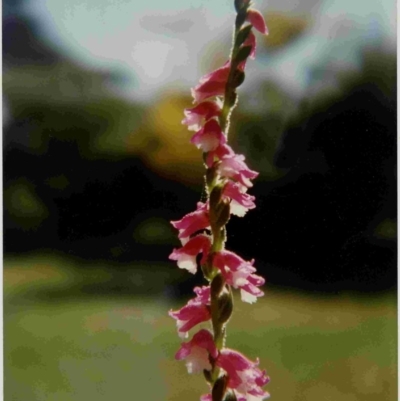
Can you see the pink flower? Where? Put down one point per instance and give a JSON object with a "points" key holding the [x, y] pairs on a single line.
{"points": [[197, 310], [239, 274], [186, 256], [257, 20], [244, 375], [192, 222], [240, 201], [212, 84], [197, 351], [202, 295], [219, 153], [196, 116], [233, 166], [209, 137], [249, 291]]}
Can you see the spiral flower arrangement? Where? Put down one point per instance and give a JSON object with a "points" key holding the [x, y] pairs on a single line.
{"points": [[230, 375]]}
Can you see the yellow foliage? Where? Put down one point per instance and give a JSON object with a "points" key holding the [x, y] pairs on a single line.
{"points": [[164, 143], [283, 29]]}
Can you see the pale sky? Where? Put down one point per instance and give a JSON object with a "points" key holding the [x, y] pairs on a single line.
{"points": [[162, 43]]}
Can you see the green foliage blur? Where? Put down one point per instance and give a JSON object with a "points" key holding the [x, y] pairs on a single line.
{"points": [[123, 347]]}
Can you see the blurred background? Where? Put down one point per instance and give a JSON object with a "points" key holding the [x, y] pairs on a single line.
{"points": [[96, 163]]}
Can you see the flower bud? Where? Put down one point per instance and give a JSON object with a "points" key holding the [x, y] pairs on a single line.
{"points": [[224, 213], [217, 286], [225, 307], [207, 375], [242, 35], [219, 208], [242, 55], [219, 388], [240, 20], [215, 197], [210, 175], [207, 271], [239, 76], [241, 5]]}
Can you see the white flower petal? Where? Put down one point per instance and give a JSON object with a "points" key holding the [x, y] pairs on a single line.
{"points": [[247, 297], [197, 361], [187, 262], [237, 209]]}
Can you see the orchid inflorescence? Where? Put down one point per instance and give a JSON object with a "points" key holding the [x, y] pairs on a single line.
{"points": [[230, 375]]}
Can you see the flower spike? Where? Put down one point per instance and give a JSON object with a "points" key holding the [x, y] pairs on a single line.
{"points": [[229, 374]]}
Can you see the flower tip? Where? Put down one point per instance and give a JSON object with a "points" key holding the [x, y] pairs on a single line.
{"points": [[195, 95], [257, 20]]}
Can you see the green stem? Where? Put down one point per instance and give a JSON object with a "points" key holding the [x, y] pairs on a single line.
{"points": [[219, 233], [229, 91]]}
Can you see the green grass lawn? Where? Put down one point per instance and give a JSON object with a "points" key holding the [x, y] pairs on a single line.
{"points": [[85, 348]]}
